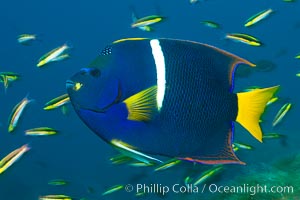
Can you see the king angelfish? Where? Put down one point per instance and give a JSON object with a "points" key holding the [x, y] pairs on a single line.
{"points": [[167, 97]]}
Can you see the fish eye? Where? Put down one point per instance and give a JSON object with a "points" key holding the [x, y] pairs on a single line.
{"points": [[95, 72], [90, 71]]}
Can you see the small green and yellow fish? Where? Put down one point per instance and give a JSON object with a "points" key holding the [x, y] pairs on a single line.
{"points": [[57, 102], [146, 28], [208, 174], [187, 180], [242, 146], [297, 56], [41, 131], [244, 38], [61, 57], [57, 182], [12, 157], [141, 164], [258, 17], [272, 136], [26, 39], [147, 21], [113, 189], [120, 159], [289, 1], [53, 55], [168, 164], [8, 77], [129, 151], [17, 112], [55, 197], [211, 24], [281, 113], [273, 100]]}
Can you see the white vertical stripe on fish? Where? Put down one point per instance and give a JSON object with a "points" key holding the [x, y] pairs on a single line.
{"points": [[160, 71]]}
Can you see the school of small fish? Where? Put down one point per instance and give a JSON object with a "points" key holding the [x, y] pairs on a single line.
{"points": [[128, 155]]}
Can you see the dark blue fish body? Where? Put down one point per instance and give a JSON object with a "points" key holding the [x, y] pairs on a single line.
{"points": [[162, 96]]}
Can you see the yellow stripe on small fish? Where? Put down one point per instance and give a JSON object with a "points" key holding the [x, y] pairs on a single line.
{"points": [[128, 39], [26, 38], [55, 197], [41, 131], [281, 113], [7, 78], [129, 151], [12, 157], [146, 21], [113, 189], [57, 102], [16, 113], [168, 164], [244, 38], [208, 174], [52, 55], [141, 164], [120, 159], [258, 17], [273, 100]]}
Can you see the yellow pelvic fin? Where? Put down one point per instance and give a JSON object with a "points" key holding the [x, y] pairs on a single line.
{"points": [[251, 106], [142, 105]]}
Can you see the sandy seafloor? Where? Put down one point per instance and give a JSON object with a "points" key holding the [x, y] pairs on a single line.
{"points": [[77, 154]]}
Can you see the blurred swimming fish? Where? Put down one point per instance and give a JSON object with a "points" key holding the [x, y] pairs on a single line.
{"points": [[55, 197], [41, 131], [297, 56], [281, 113], [120, 159], [17, 112], [150, 103], [208, 174], [12, 157], [129, 151], [242, 146], [168, 164], [61, 57], [244, 38], [147, 21], [113, 189], [258, 17], [141, 164], [143, 28], [272, 136], [57, 182], [211, 24], [26, 39], [57, 102], [53, 55], [273, 100], [7, 78]]}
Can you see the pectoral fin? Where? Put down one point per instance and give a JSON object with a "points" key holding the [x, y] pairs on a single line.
{"points": [[142, 105]]}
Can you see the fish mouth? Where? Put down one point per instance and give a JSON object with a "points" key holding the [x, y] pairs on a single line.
{"points": [[69, 84]]}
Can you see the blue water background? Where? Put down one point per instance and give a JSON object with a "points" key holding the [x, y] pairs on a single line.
{"points": [[77, 154]]}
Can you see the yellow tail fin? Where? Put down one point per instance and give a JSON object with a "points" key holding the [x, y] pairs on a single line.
{"points": [[251, 106]]}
